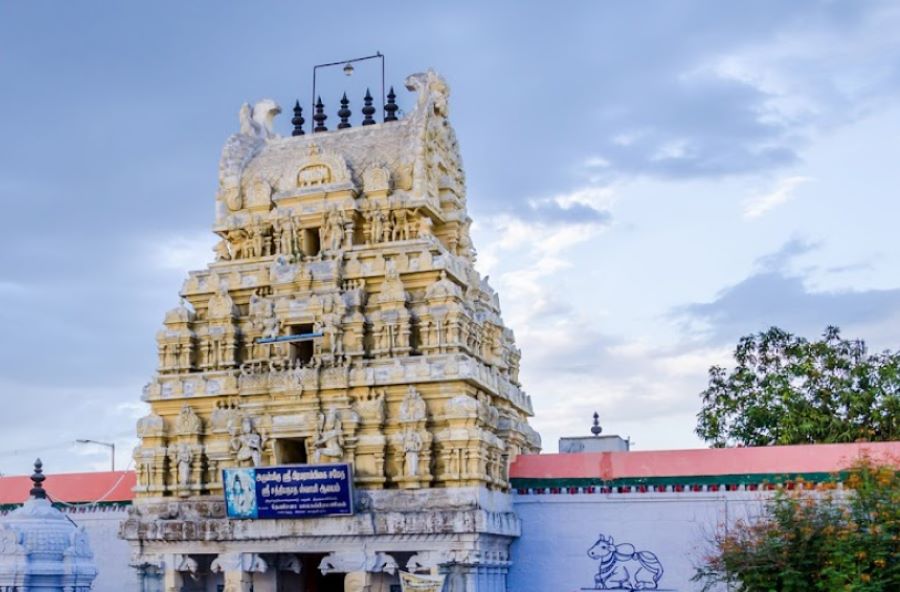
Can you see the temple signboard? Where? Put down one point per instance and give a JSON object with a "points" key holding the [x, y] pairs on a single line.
{"points": [[289, 491]]}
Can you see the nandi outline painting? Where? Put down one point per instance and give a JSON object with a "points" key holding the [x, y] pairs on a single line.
{"points": [[624, 568]]}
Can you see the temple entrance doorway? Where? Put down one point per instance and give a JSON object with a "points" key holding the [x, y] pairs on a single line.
{"points": [[314, 581]]}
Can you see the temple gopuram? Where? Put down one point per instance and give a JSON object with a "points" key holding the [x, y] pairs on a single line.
{"points": [[337, 401]]}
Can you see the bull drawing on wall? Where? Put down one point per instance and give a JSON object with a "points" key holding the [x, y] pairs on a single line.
{"points": [[623, 568]]}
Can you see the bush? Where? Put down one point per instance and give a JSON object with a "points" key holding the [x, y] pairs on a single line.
{"points": [[816, 539]]}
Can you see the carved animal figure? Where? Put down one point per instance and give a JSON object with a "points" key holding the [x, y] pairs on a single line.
{"points": [[258, 121], [264, 113], [623, 568]]}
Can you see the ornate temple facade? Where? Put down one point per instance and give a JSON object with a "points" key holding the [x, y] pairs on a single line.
{"points": [[342, 321]]}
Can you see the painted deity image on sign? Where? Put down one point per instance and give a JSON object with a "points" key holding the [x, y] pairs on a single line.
{"points": [[240, 497], [622, 567], [289, 491]]}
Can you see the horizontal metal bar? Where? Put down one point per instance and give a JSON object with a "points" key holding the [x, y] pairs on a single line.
{"points": [[377, 55], [289, 338]]}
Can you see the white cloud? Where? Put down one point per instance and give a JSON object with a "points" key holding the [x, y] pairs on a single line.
{"points": [[521, 256], [692, 362], [783, 192], [672, 150], [570, 366], [818, 76], [628, 138], [543, 238], [181, 253], [596, 162], [631, 384], [596, 197]]}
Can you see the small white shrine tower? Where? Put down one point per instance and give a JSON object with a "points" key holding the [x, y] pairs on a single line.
{"points": [[41, 549]]}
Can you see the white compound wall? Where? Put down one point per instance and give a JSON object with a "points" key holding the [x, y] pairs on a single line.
{"points": [[558, 530], [111, 553]]}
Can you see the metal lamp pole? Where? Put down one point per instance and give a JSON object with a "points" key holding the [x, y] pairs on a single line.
{"points": [[348, 70], [110, 445]]}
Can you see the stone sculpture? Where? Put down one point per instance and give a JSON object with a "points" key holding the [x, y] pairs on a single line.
{"points": [[247, 444], [183, 457], [412, 445], [329, 440]]}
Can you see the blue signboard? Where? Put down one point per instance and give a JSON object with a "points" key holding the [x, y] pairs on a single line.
{"points": [[289, 491]]}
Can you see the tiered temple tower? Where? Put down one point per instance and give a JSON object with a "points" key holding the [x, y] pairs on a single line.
{"points": [[342, 321]]}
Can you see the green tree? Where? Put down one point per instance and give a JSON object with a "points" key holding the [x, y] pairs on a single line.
{"points": [[806, 540], [788, 390]]}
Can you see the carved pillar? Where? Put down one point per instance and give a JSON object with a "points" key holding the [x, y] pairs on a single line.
{"points": [[172, 580], [238, 569], [149, 572], [174, 567], [476, 571], [369, 457], [276, 578], [362, 569], [358, 581]]}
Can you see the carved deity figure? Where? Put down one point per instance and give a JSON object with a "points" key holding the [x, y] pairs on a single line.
{"points": [[223, 253], [331, 234], [412, 445], [424, 227], [270, 327], [240, 245], [386, 229], [329, 440], [262, 315], [260, 308], [331, 333], [221, 306], [412, 409], [247, 444], [182, 457], [287, 243], [401, 225], [337, 229], [376, 226], [188, 421]]}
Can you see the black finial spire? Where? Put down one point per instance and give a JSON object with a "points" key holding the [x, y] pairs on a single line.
{"points": [[319, 117], [37, 492], [298, 120], [368, 110], [596, 429], [390, 109], [344, 112]]}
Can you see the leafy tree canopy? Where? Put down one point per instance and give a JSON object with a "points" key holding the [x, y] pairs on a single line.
{"points": [[815, 540], [788, 390]]}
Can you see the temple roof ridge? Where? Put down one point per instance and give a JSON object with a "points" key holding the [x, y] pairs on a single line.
{"points": [[256, 160]]}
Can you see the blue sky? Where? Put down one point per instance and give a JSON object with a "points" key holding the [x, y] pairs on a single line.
{"points": [[650, 180]]}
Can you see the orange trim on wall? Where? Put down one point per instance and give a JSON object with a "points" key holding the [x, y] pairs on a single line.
{"points": [[813, 458], [72, 487]]}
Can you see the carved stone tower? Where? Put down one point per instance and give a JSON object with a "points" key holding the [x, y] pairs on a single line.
{"points": [[342, 321]]}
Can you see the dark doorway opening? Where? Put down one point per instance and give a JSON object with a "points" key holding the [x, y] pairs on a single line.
{"points": [[301, 351], [311, 245], [315, 581], [290, 451]]}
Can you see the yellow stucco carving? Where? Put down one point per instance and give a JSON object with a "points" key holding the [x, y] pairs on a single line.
{"points": [[342, 319]]}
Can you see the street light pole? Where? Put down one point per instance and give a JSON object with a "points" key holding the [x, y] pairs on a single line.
{"points": [[110, 445], [348, 70]]}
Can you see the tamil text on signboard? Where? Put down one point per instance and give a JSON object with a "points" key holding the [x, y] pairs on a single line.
{"points": [[297, 491]]}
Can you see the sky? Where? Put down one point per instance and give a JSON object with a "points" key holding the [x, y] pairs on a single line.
{"points": [[649, 180]]}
